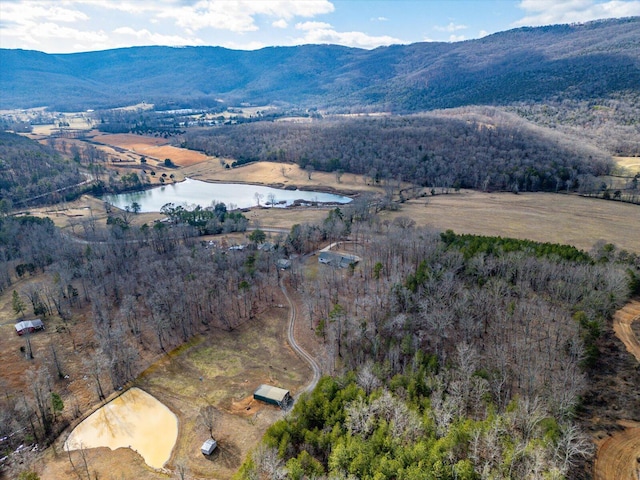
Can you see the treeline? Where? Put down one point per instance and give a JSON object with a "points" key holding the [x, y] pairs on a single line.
{"points": [[422, 425], [29, 169], [611, 123], [135, 294], [483, 149], [470, 358]]}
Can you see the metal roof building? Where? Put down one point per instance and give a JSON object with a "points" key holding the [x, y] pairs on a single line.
{"points": [[29, 326], [272, 395], [208, 447]]}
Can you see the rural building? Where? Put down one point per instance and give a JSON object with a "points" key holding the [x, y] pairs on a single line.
{"points": [[283, 264], [335, 259], [208, 447], [272, 395], [29, 326]]}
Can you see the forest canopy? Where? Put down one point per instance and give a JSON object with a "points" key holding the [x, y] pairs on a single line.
{"points": [[482, 149]]}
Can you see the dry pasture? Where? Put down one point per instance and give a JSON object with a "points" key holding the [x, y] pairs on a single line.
{"points": [[542, 217], [157, 148], [632, 164]]}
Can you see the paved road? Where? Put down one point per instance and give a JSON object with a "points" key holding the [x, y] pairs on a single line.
{"points": [[292, 341]]}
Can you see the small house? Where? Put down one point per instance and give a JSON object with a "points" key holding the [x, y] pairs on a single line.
{"points": [[272, 395], [29, 326], [341, 260], [208, 447]]}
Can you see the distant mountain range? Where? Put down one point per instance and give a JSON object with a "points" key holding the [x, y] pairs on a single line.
{"points": [[594, 60]]}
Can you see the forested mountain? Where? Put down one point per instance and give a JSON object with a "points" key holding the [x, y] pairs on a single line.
{"points": [[29, 169], [593, 60], [479, 148]]}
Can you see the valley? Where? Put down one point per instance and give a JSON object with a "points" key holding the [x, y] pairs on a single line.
{"points": [[455, 297]]}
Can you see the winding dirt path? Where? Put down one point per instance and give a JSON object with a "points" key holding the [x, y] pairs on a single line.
{"points": [[618, 457], [292, 341]]}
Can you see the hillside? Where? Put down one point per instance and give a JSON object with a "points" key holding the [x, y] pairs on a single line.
{"points": [[29, 169], [594, 60]]}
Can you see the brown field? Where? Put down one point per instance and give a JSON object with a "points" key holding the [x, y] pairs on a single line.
{"points": [[543, 217], [153, 147], [630, 163], [271, 173]]}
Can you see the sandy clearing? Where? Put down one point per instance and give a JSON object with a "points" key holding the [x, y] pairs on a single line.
{"points": [[630, 163], [622, 327], [618, 457]]}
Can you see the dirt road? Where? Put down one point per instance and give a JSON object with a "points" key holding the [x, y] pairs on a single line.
{"points": [[292, 341], [618, 456]]}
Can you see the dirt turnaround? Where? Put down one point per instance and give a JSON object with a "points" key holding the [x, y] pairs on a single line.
{"points": [[618, 455]]}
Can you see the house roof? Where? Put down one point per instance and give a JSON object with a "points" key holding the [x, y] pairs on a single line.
{"points": [[274, 393]]}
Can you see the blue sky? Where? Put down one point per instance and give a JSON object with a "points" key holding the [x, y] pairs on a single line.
{"points": [[65, 26]]}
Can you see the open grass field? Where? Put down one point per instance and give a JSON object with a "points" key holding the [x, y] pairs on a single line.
{"points": [[157, 148], [281, 174], [631, 164], [543, 217]]}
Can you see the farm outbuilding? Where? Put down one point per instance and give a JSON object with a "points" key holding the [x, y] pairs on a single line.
{"points": [[272, 395], [342, 260], [208, 447], [29, 326]]}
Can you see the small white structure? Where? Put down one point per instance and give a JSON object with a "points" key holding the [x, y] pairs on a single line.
{"points": [[29, 326], [208, 447]]}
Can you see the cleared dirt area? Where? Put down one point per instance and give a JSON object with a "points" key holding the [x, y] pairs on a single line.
{"points": [[618, 455], [543, 217]]}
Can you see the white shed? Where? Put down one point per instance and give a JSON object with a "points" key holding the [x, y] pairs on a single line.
{"points": [[208, 447]]}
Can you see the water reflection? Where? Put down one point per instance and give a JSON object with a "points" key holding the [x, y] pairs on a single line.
{"points": [[195, 192]]}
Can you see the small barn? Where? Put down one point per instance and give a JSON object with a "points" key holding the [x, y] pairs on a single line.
{"points": [[29, 326], [272, 395], [208, 447]]}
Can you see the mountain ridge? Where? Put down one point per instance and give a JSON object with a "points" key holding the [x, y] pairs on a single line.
{"points": [[592, 60]]}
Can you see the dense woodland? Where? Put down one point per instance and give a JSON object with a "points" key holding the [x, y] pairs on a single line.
{"points": [[612, 124], [29, 169], [467, 357], [483, 149]]}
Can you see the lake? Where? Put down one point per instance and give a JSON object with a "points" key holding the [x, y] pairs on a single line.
{"points": [[195, 192]]}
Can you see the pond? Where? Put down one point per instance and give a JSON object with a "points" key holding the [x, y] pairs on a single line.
{"points": [[234, 195], [134, 420]]}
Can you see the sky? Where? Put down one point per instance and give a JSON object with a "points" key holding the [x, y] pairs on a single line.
{"points": [[68, 26]]}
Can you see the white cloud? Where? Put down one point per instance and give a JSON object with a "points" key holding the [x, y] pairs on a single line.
{"points": [[456, 38], [22, 13], [546, 12], [324, 33], [380, 19], [309, 26], [282, 23], [145, 37], [452, 27], [240, 15], [482, 33]]}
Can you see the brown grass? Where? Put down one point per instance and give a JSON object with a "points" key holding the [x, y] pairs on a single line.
{"points": [[632, 164], [543, 217], [153, 147]]}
